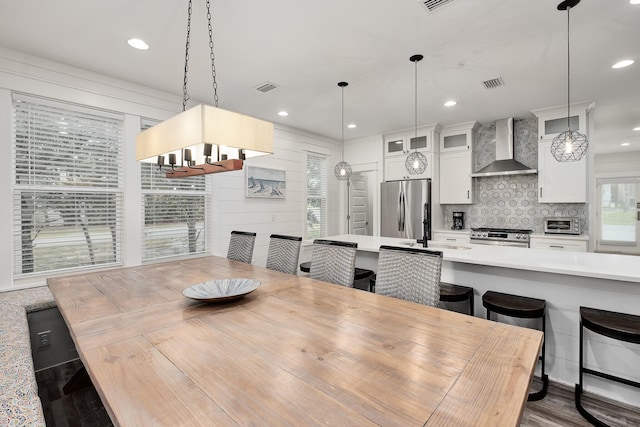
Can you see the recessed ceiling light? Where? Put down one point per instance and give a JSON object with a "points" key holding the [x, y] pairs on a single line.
{"points": [[352, 126], [283, 113], [625, 144], [634, 1], [638, 128], [450, 103], [138, 44], [623, 63]]}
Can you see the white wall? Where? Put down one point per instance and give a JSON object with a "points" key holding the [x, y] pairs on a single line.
{"points": [[616, 165], [230, 209]]}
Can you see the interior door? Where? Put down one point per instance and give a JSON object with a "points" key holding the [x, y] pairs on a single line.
{"points": [[618, 216], [359, 204]]}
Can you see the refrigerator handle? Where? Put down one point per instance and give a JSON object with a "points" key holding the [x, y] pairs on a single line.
{"points": [[403, 211], [399, 210]]}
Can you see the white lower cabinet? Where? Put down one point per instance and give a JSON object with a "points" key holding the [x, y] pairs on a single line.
{"points": [[575, 244], [452, 236]]}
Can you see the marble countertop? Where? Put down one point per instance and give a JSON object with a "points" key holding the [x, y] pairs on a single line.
{"points": [[584, 264]]}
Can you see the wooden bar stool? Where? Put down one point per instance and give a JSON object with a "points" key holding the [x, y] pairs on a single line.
{"points": [[526, 308], [456, 293], [619, 326]]}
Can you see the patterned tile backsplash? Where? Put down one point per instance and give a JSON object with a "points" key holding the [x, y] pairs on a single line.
{"points": [[511, 201]]}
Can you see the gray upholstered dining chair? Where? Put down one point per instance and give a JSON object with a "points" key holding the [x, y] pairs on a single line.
{"points": [[284, 252], [333, 261], [410, 274], [241, 246]]}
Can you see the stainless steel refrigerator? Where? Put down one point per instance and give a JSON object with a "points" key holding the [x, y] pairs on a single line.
{"points": [[405, 210]]}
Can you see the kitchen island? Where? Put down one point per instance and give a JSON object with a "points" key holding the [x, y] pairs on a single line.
{"points": [[566, 280]]}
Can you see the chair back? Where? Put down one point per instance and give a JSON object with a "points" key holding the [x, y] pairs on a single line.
{"points": [[333, 261], [241, 246], [284, 252], [410, 274]]}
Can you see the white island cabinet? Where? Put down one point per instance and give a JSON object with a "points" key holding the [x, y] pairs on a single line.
{"points": [[565, 279]]}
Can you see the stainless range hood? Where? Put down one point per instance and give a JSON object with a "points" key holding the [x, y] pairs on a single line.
{"points": [[504, 164]]}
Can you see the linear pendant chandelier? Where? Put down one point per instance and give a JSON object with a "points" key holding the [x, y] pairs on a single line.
{"points": [[204, 139]]}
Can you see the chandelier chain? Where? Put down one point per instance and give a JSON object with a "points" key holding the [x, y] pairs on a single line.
{"points": [[212, 55], [185, 94]]}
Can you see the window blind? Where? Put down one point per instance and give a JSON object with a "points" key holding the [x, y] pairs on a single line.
{"points": [[67, 193], [174, 212], [316, 196]]}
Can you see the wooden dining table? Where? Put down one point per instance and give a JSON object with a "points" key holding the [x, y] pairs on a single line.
{"points": [[294, 352]]}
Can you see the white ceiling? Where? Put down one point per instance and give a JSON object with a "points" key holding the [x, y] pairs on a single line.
{"points": [[306, 47]]}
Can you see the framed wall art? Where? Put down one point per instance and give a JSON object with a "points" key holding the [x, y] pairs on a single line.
{"points": [[266, 183]]}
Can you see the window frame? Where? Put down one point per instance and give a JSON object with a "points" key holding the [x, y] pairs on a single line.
{"points": [[67, 161], [322, 195]]}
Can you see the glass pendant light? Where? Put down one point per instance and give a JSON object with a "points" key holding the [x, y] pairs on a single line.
{"points": [[416, 162], [342, 171], [570, 145]]}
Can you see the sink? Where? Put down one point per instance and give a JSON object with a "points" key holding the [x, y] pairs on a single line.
{"points": [[435, 245]]}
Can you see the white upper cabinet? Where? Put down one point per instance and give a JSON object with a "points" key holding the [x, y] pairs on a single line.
{"points": [[458, 137], [398, 145], [395, 169], [553, 121], [456, 163], [561, 182]]}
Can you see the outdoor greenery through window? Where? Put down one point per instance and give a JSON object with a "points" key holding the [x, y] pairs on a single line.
{"points": [[174, 212], [316, 196], [67, 194], [618, 211]]}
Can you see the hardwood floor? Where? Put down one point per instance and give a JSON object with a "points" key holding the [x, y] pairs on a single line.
{"points": [[83, 408]]}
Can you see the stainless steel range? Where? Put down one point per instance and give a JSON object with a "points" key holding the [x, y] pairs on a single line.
{"points": [[500, 237]]}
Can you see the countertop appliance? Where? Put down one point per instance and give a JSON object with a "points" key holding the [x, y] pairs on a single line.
{"points": [[500, 237], [562, 225], [458, 221], [405, 209]]}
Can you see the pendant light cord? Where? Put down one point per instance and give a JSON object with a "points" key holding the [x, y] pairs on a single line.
{"points": [[568, 74], [185, 80], [342, 128], [415, 110]]}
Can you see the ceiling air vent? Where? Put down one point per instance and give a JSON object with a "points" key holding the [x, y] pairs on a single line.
{"points": [[432, 5], [265, 87], [493, 83]]}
